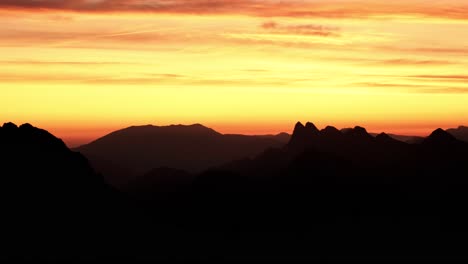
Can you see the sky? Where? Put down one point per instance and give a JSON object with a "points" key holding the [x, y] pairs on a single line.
{"points": [[84, 68]]}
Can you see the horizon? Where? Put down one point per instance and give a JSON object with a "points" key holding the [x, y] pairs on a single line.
{"points": [[82, 69], [75, 142]]}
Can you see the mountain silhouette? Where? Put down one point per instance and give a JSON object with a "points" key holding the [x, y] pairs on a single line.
{"points": [[440, 136], [49, 194], [31, 152], [403, 138], [355, 146], [159, 183], [193, 148], [327, 194], [348, 142], [461, 133]]}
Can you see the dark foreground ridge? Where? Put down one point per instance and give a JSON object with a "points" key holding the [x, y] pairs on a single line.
{"points": [[326, 195]]}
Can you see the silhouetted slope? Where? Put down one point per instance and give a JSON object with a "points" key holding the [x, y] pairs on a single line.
{"points": [[160, 183], [49, 194], [403, 138], [440, 137], [461, 133], [281, 137], [36, 161], [193, 148], [55, 207]]}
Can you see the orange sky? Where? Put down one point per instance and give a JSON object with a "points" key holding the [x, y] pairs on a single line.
{"points": [[82, 68]]}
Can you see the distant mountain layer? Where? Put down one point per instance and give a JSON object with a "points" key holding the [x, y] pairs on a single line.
{"points": [[139, 149], [404, 138], [354, 149], [461, 133]]}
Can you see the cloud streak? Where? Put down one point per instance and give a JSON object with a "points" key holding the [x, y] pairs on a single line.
{"points": [[303, 29], [308, 8]]}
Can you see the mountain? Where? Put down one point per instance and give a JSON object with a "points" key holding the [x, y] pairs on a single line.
{"points": [[48, 194], [281, 137], [461, 133], [327, 194], [404, 138], [357, 148], [160, 183], [34, 161], [139, 149], [348, 142]]}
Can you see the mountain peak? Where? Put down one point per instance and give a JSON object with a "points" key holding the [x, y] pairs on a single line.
{"points": [[28, 136], [357, 132], [298, 126], [303, 134], [10, 126], [384, 137], [26, 126], [360, 130], [439, 135], [311, 127], [330, 131]]}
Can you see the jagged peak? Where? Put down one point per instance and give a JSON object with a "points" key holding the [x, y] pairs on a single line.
{"points": [[299, 125], [302, 134], [27, 134], [311, 127], [298, 129]]}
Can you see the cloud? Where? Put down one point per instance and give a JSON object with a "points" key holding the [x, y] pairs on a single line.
{"points": [[426, 50], [455, 90], [267, 8], [302, 29], [410, 62], [270, 25], [415, 88], [442, 77], [61, 63], [170, 6]]}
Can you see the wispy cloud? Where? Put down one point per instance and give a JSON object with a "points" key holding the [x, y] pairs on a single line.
{"points": [[454, 90], [411, 62], [293, 8], [442, 77], [97, 63], [302, 29]]}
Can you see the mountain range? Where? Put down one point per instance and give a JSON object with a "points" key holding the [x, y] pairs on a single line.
{"points": [[325, 194], [137, 150], [194, 148]]}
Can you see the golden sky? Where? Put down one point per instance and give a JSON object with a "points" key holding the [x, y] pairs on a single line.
{"points": [[83, 68]]}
